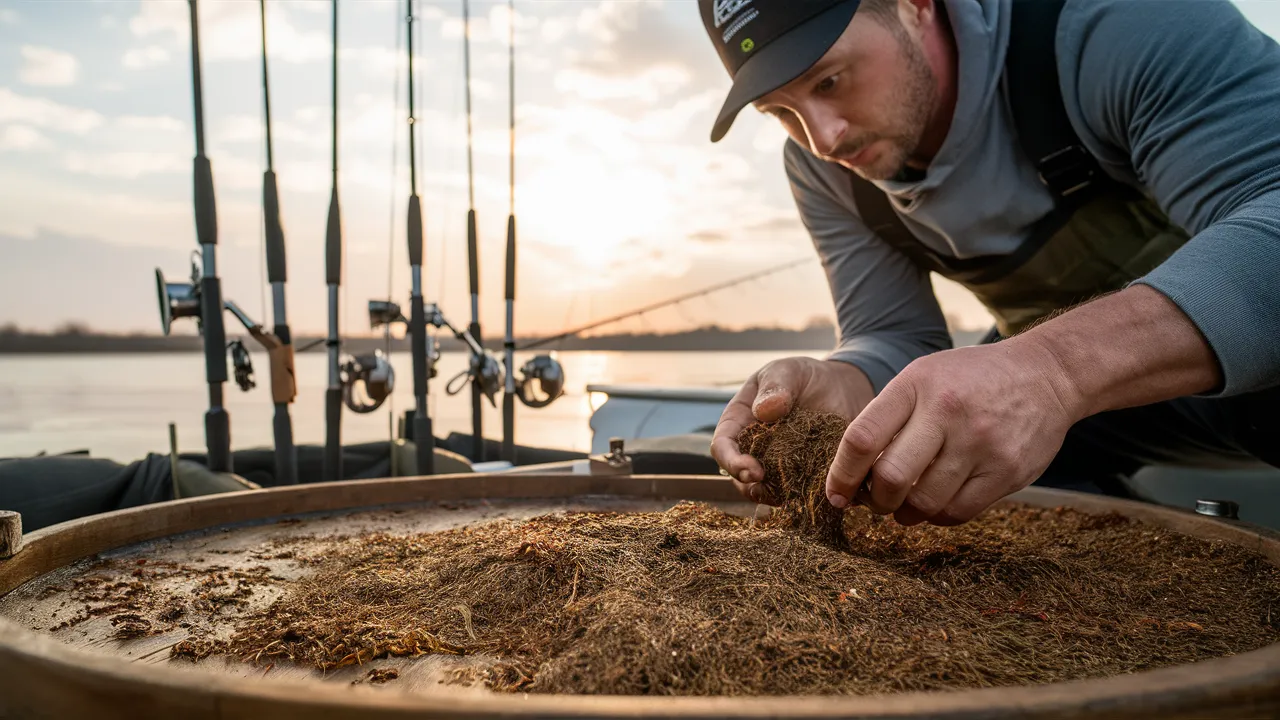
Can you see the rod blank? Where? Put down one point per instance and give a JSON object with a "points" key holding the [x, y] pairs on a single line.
{"points": [[217, 422], [424, 441], [333, 276]]}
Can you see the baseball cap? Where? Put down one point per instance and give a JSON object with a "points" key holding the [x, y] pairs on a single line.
{"points": [[765, 44]]}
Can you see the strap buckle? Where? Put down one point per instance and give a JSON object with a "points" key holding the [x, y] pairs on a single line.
{"points": [[1067, 171]]}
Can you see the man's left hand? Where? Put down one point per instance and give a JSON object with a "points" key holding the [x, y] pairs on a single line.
{"points": [[956, 431]]}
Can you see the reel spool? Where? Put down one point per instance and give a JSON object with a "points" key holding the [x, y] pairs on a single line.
{"points": [[386, 313], [377, 376], [178, 299], [548, 374]]}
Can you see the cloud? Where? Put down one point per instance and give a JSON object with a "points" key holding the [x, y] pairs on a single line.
{"points": [[145, 57], [648, 85], [125, 165], [46, 114], [46, 67], [708, 236], [230, 31], [8, 16], [159, 17], [22, 137], [150, 123]]}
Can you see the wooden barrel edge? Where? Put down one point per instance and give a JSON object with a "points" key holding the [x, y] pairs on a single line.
{"points": [[55, 673], [61, 682]]}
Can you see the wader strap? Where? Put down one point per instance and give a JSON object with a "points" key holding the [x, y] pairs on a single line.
{"points": [[1040, 119]]}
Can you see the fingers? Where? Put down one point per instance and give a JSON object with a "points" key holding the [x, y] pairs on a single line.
{"points": [[724, 442], [976, 495], [865, 438], [903, 462], [935, 489], [755, 492]]}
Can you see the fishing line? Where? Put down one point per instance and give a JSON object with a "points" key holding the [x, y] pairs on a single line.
{"points": [[508, 344], [395, 159], [473, 254], [334, 255], [391, 219], [741, 280]]}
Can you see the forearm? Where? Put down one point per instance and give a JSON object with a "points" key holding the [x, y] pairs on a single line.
{"points": [[1134, 347], [880, 356]]}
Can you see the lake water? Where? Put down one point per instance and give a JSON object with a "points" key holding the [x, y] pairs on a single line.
{"points": [[119, 406]]}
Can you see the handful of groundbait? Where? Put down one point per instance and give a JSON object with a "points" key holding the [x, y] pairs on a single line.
{"points": [[796, 453]]}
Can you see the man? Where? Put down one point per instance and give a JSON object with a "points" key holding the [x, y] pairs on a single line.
{"points": [[1134, 282]]}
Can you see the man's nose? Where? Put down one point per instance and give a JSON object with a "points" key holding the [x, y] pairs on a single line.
{"points": [[826, 130]]}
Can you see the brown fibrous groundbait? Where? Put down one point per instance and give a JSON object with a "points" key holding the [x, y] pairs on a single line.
{"points": [[695, 601]]}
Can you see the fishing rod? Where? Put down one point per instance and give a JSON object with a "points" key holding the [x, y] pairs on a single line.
{"points": [[217, 422], [283, 382], [424, 441], [333, 276], [473, 255], [666, 303], [509, 341]]}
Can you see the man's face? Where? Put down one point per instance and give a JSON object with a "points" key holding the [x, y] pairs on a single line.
{"points": [[866, 103]]}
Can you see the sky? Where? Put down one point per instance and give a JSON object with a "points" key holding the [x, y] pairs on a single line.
{"points": [[621, 199]]}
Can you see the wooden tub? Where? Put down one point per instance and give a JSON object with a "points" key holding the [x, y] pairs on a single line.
{"points": [[95, 677]]}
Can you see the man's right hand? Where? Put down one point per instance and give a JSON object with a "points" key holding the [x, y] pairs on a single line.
{"points": [[770, 393]]}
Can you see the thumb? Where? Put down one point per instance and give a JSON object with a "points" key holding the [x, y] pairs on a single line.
{"points": [[780, 385], [772, 405]]}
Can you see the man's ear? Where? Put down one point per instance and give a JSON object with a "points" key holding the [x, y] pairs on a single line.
{"points": [[916, 15]]}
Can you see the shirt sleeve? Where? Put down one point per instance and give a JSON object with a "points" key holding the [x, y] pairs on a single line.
{"points": [[885, 307], [1183, 99]]}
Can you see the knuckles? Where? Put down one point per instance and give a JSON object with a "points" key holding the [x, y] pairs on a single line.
{"points": [[924, 504], [890, 476], [859, 439]]}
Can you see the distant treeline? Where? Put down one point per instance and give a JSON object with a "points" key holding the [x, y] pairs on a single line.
{"points": [[78, 339]]}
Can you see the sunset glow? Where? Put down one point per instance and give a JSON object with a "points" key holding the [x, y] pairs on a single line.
{"points": [[621, 198]]}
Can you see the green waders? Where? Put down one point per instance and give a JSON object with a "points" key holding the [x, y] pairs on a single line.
{"points": [[1096, 246]]}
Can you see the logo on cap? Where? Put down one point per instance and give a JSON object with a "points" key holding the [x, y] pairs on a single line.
{"points": [[726, 9]]}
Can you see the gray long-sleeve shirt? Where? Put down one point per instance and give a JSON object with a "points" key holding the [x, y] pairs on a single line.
{"points": [[1180, 98]]}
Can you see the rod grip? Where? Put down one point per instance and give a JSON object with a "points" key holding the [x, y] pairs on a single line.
{"points": [[215, 334], [333, 242], [509, 428], [473, 256], [418, 335], [511, 257], [286, 453], [415, 231], [217, 435], [424, 445], [332, 434], [206, 206], [477, 424], [275, 232]]}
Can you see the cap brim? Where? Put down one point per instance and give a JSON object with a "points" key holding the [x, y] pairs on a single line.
{"points": [[782, 61]]}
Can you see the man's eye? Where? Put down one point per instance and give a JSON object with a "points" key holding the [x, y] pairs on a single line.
{"points": [[826, 84]]}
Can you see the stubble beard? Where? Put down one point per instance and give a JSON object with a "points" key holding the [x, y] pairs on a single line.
{"points": [[913, 105]]}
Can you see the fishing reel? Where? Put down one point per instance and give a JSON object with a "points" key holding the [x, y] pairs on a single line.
{"points": [[383, 313], [376, 375], [179, 300], [242, 365], [182, 299], [485, 371], [548, 374]]}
